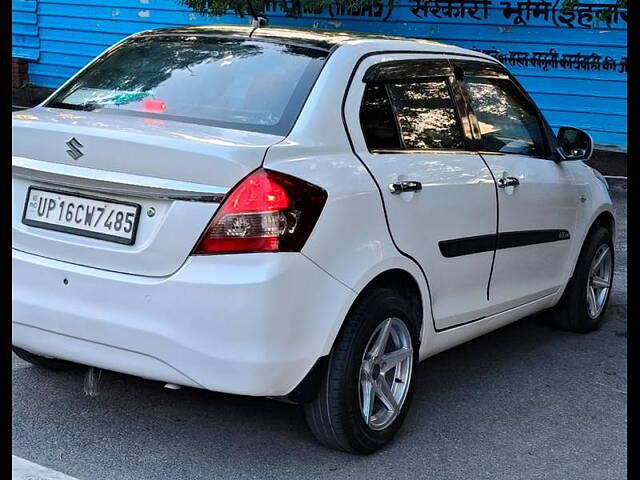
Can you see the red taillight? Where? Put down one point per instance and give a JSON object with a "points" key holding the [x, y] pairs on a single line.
{"points": [[266, 212]]}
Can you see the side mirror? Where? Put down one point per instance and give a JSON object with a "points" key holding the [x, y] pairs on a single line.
{"points": [[575, 144]]}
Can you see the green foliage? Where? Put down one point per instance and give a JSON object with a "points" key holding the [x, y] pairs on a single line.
{"points": [[220, 7], [604, 15], [569, 4]]}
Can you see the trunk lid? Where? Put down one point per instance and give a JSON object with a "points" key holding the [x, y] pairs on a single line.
{"points": [[177, 173]]}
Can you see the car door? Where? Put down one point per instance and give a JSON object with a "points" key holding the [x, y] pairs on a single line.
{"points": [[537, 197], [411, 135]]}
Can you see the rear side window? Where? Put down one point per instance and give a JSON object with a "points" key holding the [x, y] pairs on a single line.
{"points": [[229, 82], [508, 123]]}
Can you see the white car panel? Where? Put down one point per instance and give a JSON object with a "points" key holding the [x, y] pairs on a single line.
{"points": [[545, 199], [233, 323], [153, 148], [350, 217], [596, 202]]}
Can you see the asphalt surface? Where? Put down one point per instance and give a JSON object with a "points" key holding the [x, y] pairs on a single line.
{"points": [[523, 402]]}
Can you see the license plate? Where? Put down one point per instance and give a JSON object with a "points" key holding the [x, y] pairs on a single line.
{"points": [[109, 220]]}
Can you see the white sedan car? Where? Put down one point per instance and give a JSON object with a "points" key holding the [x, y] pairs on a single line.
{"points": [[296, 214]]}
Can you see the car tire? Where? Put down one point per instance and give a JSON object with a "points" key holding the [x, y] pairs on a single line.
{"points": [[357, 366], [43, 362], [576, 311]]}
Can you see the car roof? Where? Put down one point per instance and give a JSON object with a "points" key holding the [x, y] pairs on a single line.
{"points": [[313, 38]]}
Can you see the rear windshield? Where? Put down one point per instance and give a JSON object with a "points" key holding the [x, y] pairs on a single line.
{"points": [[227, 82]]}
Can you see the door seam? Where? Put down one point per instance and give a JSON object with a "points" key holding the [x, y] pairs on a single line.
{"points": [[495, 247]]}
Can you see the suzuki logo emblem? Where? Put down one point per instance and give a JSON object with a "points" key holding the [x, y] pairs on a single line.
{"points": [[74, 148]]}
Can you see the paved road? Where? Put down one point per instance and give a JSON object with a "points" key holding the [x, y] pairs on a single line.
{"points": [[524, 402]]}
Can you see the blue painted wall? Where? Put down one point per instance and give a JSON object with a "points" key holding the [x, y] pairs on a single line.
{"points": [[573, 65]]}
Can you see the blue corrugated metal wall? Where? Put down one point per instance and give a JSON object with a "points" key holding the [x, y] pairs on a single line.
{"points": [[573, 65], [25, 39]]}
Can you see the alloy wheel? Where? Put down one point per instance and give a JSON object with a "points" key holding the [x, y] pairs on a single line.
{"points": [[385, 373], [599, 280]]}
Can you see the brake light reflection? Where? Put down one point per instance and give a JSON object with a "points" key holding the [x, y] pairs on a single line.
{"points": [[154, 106]]}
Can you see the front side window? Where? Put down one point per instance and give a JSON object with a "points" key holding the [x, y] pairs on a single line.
{"points": [[508, 124], [229, 82]]}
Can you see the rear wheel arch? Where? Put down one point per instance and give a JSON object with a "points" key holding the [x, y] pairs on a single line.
{"points": [[401, 282]]}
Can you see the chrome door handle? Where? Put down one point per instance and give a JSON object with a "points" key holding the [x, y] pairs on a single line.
{"points": [[406, 186], [508, 182]]}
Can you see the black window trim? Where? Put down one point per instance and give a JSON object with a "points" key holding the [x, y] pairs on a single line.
{"points": [[396, 120], [400, 70]]}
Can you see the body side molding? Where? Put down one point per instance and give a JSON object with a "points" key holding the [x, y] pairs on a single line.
{"points": [[485, 243]]}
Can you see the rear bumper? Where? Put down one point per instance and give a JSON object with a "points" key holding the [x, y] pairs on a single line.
{"points": [[246, 324]]}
